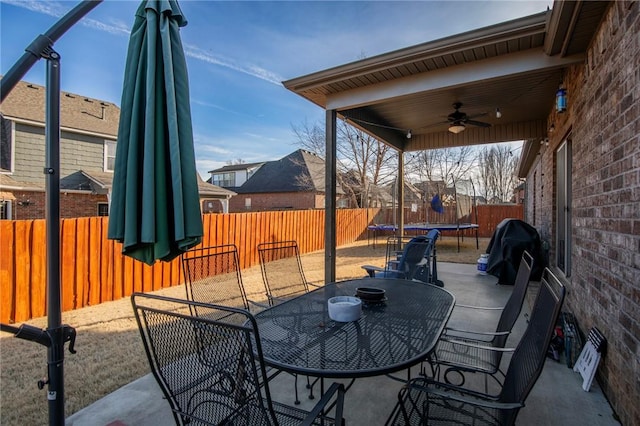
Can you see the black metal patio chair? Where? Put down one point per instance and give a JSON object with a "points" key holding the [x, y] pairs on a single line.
{"points": [[417, 260], [212, 275], [424, 401], [283, 278], [282, 271], [210, 367], [461, 350]]}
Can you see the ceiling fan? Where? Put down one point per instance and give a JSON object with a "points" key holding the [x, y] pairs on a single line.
{"points": [[458, 119]]}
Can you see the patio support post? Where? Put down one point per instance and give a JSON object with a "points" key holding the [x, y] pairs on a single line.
{"points": [[400, 192], [330, 198]]}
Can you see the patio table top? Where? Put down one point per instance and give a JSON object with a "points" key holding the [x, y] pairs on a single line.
{"points": [[299, 337]]}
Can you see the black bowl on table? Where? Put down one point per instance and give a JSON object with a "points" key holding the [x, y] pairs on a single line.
{"points": [[371, 294]]}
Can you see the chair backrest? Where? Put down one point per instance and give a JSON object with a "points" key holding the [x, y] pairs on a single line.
{"points": [[281, 268], [529, 356], [431, 257], [209, 367], [212, 275], [413, 256], [512, 308]]}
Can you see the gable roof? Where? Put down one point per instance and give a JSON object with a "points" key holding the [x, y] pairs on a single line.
{"points": [[299, 171], [27, 103], [206, 189]]}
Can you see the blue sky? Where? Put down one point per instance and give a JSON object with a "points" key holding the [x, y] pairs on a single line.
{"points": [[238, 52]]}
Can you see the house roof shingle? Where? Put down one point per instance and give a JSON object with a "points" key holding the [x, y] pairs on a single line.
{"points": [[299, 171], [27, 101]]}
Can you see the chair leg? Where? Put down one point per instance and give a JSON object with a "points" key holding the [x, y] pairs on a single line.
{"points": [[295, 387], [310, 385]]}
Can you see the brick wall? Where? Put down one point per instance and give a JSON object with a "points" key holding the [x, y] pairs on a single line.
{"points": [[31, 205], [80, 205], [603, 124], [277, 201]]}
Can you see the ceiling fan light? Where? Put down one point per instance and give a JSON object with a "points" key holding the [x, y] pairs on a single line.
{"points": [[456, 128]]}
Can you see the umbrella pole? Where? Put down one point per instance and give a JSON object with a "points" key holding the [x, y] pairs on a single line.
{"points": [[55, 352], [56, 334]]}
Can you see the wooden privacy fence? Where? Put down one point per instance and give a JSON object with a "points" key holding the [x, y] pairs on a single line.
{"points": [[489, 216], [94, 271]]}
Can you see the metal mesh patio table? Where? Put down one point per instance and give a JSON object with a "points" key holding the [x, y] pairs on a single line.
{"points": [[299, 337]]}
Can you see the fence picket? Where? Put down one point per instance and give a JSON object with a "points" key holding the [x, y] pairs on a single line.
{"points": [[7, 270], [38, 269], [22, 270]]}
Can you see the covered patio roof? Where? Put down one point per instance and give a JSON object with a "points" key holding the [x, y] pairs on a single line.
{"points": [[515, 66]]}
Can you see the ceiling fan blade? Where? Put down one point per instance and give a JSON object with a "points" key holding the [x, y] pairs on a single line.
{"points": [[482, 114], [478, 123]]}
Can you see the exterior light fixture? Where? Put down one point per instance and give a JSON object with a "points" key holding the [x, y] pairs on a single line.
{"points": [[498, 113], [409, 134], [456, 128], [552, 128], [561, 99]]}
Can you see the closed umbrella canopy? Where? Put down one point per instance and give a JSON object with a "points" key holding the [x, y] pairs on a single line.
{"points": [[155, 206]]}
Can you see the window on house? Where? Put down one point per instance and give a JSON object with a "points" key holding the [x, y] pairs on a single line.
{"points": [[109, 155], [6, 144], [103, 209], [224, 179], [563, 208], [5, 209]]}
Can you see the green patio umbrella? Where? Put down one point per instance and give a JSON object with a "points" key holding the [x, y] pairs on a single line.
{"points": [[155, 206]]}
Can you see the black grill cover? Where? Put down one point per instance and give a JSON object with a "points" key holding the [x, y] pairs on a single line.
{"points": [[510, 239]]}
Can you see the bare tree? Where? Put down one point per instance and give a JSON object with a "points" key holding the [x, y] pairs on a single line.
{"points": [[497, 173], [361, 159], [448, 165]]}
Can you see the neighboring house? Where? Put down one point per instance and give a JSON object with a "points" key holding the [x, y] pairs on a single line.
{"points": [[296, 181], [233, 176], [358, 195], [88, 135], [412, 195], [518, 194]]}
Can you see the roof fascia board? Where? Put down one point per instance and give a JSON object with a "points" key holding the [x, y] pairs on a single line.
{"points": [[533, 24], [21, 188], [452, 77], [100, 184], [560, 26], [62, 128], [530, 150]]}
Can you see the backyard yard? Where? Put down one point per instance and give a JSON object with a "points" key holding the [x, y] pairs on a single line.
{"points": [[109, 349]]}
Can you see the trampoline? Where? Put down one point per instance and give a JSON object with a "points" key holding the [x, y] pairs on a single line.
{"points": [[418, 228]]}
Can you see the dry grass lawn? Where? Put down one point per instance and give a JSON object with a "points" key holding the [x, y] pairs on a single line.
{"points": [[110, 352]]}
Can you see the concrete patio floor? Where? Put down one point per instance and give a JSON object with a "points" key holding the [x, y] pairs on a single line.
{"points": [[556, 399]]}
